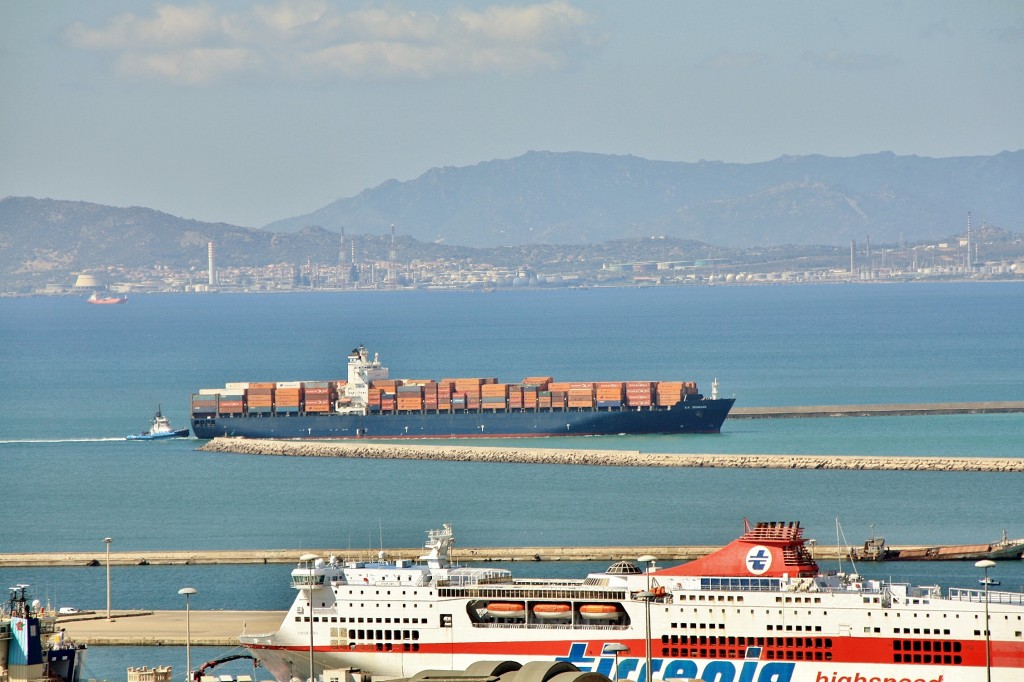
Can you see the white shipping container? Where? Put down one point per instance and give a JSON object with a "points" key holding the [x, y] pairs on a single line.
{"points": [[237, 385], [289, 384]]}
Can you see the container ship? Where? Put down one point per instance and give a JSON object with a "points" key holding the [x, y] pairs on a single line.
{"points": [[368, 404], [757, 610]]}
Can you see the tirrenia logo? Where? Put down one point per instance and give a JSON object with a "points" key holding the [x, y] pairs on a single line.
{"points": [[759, 560]]}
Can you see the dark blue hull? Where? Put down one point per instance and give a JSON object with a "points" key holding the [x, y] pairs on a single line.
{"points": [[691, 416]]}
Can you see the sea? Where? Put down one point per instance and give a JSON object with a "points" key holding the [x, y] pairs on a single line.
{"points": [[76, 378]]}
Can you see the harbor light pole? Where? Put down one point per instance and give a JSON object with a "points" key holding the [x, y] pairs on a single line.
{"points": [[107, 542], [615, 648], [188, 591], [986, 564], [647, 595], [310, 558]]}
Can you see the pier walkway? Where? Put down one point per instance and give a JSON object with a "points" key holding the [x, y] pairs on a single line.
{"points": [[167, 628]]}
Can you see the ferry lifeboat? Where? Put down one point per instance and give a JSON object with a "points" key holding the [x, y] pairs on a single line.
{"points": [[500, 609], [552, 611], [601, 611]]}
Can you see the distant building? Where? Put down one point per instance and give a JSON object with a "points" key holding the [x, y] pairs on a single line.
{"points": [[158, 674]]}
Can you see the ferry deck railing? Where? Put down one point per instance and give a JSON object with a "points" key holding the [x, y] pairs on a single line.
{"points": [[994, 597]]}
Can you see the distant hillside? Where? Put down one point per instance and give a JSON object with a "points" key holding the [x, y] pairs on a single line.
{"points": [[42, 235], [578, 198]]}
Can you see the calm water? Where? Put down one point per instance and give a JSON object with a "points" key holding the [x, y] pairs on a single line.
{"points": [[74, 379]]}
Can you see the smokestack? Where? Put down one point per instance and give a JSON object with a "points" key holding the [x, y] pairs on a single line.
{"points": [[212, 275]]}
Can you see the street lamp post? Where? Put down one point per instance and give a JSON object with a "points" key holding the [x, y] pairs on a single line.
{"points": [[309, 559], [188, 591], [986, 564], [107, 542], [615, 648], [647, 595]]}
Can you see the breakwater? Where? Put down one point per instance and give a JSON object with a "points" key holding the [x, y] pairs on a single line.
{"points": [[885, 410], [460, 453], [458, 554]]}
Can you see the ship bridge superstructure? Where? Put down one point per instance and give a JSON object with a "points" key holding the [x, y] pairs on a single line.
{"points": [[361, 373]]}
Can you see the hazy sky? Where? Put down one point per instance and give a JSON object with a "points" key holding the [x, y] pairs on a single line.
{"points": [[246, 112]]}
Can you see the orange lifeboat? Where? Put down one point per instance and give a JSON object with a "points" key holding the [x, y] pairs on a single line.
{"points": [[506, 610], [601, 611], [552, 611]]}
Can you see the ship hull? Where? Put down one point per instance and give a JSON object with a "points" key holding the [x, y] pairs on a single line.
{"points": [[180, 433], [293, 662], [690, 416]]}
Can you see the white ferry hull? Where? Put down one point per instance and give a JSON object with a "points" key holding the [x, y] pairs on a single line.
{"points": [[759, 615]]}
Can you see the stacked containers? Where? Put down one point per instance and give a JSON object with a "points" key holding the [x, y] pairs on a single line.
{"points": [[581, 394], [288, 397], [494, 396], [259, 397], [232, 401], [669, 392], [543, 400], [515, 396], [389, 393], [639, 393], [466, 395], [430, 396], [610, 393], [444, 396], [409, 398], [318, 395], [204, 404], [374, 398]]}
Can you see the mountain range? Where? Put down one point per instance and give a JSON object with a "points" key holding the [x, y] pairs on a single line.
{"points": [[580, 198], [521, 209]]}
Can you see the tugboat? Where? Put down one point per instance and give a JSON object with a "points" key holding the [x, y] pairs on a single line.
{"points": [[160, 429]]}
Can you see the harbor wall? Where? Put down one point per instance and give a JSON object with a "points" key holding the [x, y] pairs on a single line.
{"points": [[461, 453], [883, 410]]}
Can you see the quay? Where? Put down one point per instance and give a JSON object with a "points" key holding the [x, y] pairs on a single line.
{"points": [[461, 453], [167, 628], [463, 555]]}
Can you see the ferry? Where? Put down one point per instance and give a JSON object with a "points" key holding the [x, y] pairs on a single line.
{"points": [[757, 610]]}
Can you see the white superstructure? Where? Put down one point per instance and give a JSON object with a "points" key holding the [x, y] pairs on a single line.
{"points": [[755, 611]]}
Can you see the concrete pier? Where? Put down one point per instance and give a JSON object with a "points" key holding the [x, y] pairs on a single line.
{"points": [[894, 410], [462, 453], [464, 555], [167, 628]]}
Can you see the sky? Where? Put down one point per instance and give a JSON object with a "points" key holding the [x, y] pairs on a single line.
{"points": [[248, 112]]}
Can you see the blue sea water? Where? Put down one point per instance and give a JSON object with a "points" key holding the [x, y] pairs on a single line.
{"points": [[75, 378]]}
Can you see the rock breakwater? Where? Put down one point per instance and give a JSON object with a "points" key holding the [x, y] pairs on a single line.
{"points": [[458, 453]]}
